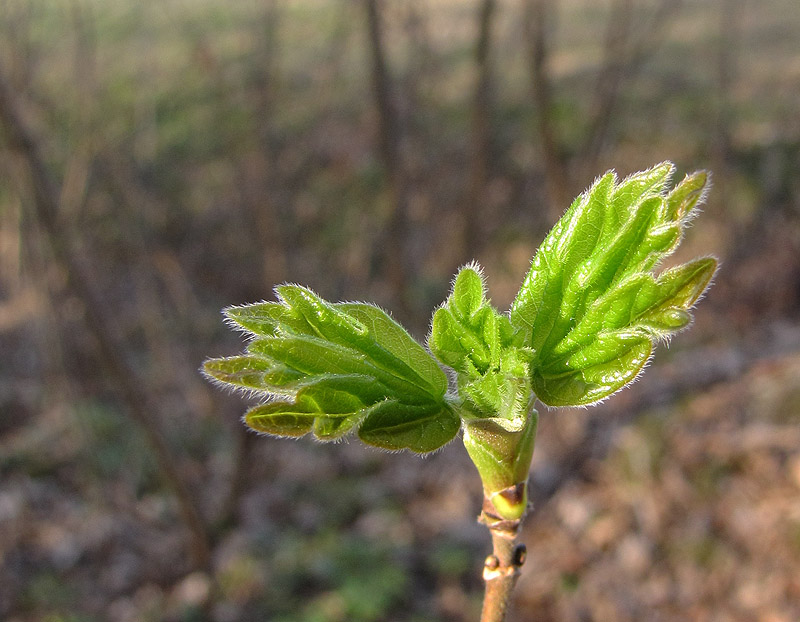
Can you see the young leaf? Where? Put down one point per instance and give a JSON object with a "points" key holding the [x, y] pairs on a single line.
{"points": [[331, 368], [469, 335], [393, 425], [591, 308], [395, 341]]}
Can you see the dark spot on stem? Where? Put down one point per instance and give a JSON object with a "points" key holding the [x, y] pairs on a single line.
{"points": [[514, 494], [520, 553]]}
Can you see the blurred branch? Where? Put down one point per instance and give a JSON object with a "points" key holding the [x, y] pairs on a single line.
{"points": [[76, 173], [390, 243], [258, 188], [161, 263], [726, 68], [23, 54], [627, 46], [537, 22], [226, 514], [481, 128], [98, 319], [624, 54], [389, 133]]}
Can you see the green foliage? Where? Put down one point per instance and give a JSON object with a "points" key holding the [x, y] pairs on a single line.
{"points": [[582, 326], [590, 307], [472, 337], [332, 368]]}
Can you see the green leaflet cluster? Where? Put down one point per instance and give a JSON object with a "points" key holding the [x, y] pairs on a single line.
{"points": [[469, 335], [582, 326], [331, 368], [591, 307]]}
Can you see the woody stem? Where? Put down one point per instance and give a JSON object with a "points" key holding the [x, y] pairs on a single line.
{"points": [[501, 569]]}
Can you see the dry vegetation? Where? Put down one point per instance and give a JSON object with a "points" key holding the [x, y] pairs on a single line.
{"points": [[193, 154]]}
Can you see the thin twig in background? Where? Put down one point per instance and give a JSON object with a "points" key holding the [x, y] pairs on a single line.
{"points": [[389, 249], [480, 149], [537, 21], [627, 45], [726, 69]]}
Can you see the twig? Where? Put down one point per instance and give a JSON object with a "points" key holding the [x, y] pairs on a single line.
{"points": [[624, 56], [501, 568], [627, 46]]}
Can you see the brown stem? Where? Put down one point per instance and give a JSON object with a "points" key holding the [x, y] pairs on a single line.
{"points": [[226, 517], [501, 569], [726, 69]]}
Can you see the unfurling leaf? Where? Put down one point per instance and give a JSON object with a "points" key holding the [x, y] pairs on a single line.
{"points": [[582, 326], [469, 335], [332, 368], [591, 307]]}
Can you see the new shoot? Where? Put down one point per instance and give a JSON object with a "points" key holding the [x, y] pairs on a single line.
{"points": [[583, 326]]}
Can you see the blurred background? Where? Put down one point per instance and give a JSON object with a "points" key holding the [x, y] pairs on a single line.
{"points": [[160, 160]]}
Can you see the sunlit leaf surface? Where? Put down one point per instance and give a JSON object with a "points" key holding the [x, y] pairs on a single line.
{"points": [[582, 326], [469, 335], [334, 368], [591, 306]]}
